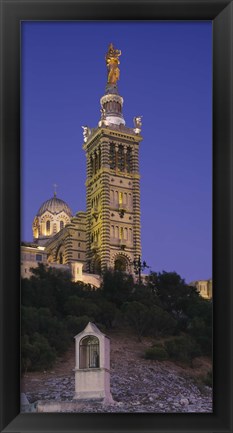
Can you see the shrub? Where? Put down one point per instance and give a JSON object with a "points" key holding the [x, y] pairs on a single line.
{"points": [[162, 323], [202, 333], [157, 353], [36, 353], [208, 379], [182, 348], [137, 316], [76, 306], [76, 324]]}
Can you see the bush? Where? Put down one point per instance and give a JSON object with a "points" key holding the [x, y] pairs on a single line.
{"points": [[208, 379], [162, 323], [36, 353], [157, 353], [182, 348], [76, 306], [202, 332], [137, 316]]}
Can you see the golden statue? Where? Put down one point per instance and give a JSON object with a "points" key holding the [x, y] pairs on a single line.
{"points": [[112, 62]]}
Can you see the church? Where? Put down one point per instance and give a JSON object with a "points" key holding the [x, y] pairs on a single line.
{"points": [[107, 234]]}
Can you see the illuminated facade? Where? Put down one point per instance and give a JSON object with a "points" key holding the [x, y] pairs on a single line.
{"points": [[107, 235], [204, 287], [113, 189], [52, 216]]}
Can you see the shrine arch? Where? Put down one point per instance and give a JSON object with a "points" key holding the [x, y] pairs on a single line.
{"points": [[89, 352]]}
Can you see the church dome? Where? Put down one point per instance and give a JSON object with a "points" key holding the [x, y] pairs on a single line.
{"points": [[54, 205], [53, 215]]}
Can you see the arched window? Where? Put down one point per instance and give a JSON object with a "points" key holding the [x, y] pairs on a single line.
{"points": [[89, 352], [130, 235], [120, 264], [120, 158], [48, 227], [61, 225], [117, 232], [130, 200], [112, 157], [116, 198], [121, 233], [112, 197], [96, 162], [120, 198], [129, 160]]}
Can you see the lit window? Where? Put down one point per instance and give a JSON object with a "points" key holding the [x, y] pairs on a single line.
{"points": [[39, 257], [48, 227], [121, 233], [120, 198]]}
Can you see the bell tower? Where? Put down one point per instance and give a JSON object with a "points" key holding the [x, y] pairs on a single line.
{"points": [[113, 181]]}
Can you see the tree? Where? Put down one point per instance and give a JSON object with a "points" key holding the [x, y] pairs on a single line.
{"points": [[173, 293], [162, 323], [145, 295], [76, 306], [76, 324], [107, 313], [36, 353], [117, 287], [138, 316]]}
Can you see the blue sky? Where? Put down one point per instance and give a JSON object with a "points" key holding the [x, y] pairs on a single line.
{"points": [[166, 76]]}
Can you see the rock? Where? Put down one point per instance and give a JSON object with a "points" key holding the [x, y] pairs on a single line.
{"points": [[192, 399], [184, 401], [23, 399]]}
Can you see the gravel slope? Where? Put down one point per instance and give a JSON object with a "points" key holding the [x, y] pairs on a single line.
{"points": [[137, 385]]}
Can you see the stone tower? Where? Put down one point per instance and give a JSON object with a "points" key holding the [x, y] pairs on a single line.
{"points": [[113, 181]]}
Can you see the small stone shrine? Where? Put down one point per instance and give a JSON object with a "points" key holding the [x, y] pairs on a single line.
{"points": [[92, 369]]}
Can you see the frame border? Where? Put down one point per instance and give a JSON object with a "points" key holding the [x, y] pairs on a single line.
{"points": [[221, 14]]}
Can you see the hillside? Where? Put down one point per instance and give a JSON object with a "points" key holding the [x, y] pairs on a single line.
{"points": [[137, 385]]}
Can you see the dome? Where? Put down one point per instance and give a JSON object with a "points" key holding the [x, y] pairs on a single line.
{"points": [[54, 205]]}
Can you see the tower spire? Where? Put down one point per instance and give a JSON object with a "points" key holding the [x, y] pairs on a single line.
{"points": [[111, 103]]}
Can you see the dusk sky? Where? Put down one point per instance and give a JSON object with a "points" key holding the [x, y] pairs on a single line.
{"points": [[166, 76]]}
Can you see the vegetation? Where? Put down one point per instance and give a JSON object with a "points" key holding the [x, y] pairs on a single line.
{"points": [[55, 309], [157, 352], [208, 379], [182, 348]]}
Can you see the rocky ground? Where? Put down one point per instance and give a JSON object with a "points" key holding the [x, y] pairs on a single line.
{"points": [[137, 385]]}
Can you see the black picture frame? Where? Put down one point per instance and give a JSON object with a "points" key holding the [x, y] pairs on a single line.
{"points": [[221, 14]]}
